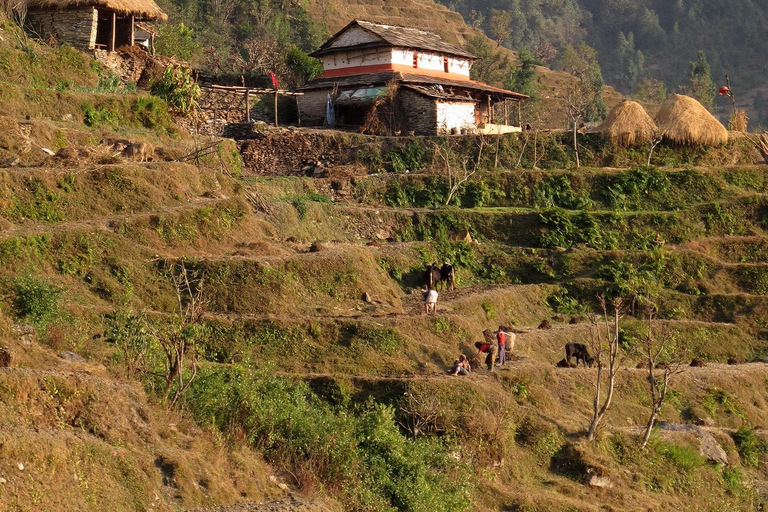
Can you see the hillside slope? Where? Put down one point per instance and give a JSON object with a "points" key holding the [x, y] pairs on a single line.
{"points": [[201, 332]]}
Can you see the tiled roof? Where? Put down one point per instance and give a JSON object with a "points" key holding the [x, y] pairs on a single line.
{"points": [[371, 79], [393, 35]]}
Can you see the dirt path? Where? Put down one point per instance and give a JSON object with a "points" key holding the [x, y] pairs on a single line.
{"points": [[290, 503]]}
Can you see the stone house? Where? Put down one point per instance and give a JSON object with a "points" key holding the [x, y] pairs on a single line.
{"points": [[386, 79], [90, 24]]}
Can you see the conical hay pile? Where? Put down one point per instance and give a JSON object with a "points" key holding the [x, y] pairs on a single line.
{"points": [[684, 120], [628, 124]]}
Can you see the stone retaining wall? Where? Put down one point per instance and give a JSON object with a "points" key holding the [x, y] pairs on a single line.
{"points": [[74, 26]]}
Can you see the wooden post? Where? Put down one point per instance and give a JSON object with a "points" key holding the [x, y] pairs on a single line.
{"points": [[298, 112], [114, 29], [519, 114], [152, 44], [247, 105], [133, 30], [506, 113], [275, 107]]}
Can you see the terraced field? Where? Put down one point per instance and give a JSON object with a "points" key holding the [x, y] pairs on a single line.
{"points": [[191, 334]]}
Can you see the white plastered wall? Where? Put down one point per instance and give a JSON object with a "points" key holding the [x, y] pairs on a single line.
{"points": [[432, 61], [455, 115]]}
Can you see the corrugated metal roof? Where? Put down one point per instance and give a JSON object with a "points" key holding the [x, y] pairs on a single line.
{"points": [[393, 35]]}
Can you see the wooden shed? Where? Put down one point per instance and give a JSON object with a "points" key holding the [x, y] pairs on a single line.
{"points": [[90, 24]]}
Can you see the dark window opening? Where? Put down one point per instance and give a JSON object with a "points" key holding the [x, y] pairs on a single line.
{"points": [[104, 30]]}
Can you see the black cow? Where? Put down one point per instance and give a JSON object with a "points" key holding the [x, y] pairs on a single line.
{"points": [[432, 276], [580, 352], [448, 275]]}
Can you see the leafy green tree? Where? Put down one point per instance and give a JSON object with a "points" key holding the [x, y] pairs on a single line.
{"points": [[700, 84], [582, 63], [302, 68], [500, 25], [492, 66], [652, 90], [523, 79], [627, 61], [177, 40], [760, 104]]}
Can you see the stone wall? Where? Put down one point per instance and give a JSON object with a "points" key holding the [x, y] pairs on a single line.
{"points": [[74, 26], [420, 113], [312, 107], [293, 151]]}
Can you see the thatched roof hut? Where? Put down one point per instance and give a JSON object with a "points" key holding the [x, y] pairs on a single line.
{"points": [[684, 120], [91, 24], [628, 124], [146, 10]]}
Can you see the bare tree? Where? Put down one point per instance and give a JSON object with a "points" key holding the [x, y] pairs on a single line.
{"points": [[664, 356], [178, 341], [760, 142], [576, 103], [605, 345], [655, 140], [460, 172], [584, 94], [421, 411], [222, 10]]}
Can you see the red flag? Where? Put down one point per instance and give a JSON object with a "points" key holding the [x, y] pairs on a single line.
{"points": [[274, 79]]}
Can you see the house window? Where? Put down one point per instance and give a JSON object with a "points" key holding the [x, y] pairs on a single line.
{"points": [[415, 59], [445, 64]]}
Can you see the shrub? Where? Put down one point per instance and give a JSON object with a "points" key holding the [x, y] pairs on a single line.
{"points": [[35, 300], [409, 157], [132, 337], [150, 112], [382, 340], [685, 458], [178, 88], [749, 445], [94, 117], [358, 450], [475, 194]]}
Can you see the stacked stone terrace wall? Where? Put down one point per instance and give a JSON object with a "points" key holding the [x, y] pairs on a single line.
{"points": [[312, 107]]}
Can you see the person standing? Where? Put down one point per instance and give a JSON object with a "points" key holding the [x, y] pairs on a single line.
{"points": [[430, 300], [501, 340]]}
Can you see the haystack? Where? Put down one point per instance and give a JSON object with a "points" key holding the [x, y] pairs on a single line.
{"points": [[684, 120], [628, 124]]}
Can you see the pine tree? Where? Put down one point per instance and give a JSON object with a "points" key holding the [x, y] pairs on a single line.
{"points": [[700, 84]]}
